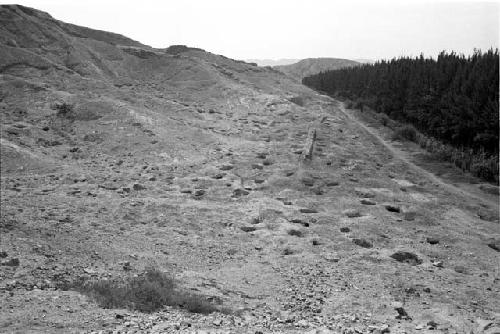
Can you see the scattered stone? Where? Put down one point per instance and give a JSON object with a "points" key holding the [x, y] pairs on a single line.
{"points": [[127, 266], [199, 192], [259, 181], [438, 264], [257, 166], [226, 167], [494, 244], [392, 208], [248, 228], [186, 191], [332, 183], [261, 155], [267, 162], [352, 213], [487, 326], [362, 243], [364, 193], [302, 323], [345, 229], [217, 322], [14, 262], [409, 215], [218, 176], [108, 186], [240, 192], [331, 258], [432, 241], [461, 269], [402, 314], [367, 202], [432, 324], [3, 254], [295, 233], [307, 181], [316, 242], [318, 191], [308, 210], [299, 221], [138, 187], [407, 257]]}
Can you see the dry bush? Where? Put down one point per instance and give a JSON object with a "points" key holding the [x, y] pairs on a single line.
{"points": [[405, 132], [358, 105], [384, 119], [479, 163], [149, 292], [63, 109]]}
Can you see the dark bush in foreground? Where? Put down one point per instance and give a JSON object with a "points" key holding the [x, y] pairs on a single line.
{"points": [[406, 132], [148, 292]]}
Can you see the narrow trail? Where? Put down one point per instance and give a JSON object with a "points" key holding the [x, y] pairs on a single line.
{"points": [[401, 156]]}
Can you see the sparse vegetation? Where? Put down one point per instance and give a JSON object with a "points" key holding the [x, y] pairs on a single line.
{"points": [[295, 233], [406, 132], [63, 109], [150, 291], [451, 100], [384, 119]]}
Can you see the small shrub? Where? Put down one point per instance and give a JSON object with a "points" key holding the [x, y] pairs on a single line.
{"points": [[384, 119], [295, 233], [148, 292], [349, 105], [406, 132], [63, 109], [358, 105]]}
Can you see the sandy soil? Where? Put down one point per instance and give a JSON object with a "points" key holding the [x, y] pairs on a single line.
{"points": [[190, 162]]}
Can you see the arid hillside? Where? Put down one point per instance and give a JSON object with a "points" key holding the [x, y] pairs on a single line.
{"points": [[150, 190], [310, 66]]}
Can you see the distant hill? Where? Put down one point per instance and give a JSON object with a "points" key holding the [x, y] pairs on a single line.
{"points": [[272, 62], [312, 66], [364, 61]]}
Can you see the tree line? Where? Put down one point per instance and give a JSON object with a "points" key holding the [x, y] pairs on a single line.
{"points": [[452, 98]]}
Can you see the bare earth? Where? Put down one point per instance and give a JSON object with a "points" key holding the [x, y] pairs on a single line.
{"points": [[190, 162]]}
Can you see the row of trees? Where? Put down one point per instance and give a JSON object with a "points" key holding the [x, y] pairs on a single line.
{"points": [[452, 98]]}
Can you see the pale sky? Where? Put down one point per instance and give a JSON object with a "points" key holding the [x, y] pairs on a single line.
{"points": [[292, 28]]}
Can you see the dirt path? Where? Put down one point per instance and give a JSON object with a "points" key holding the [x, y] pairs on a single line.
{"points": [[402, 156]]}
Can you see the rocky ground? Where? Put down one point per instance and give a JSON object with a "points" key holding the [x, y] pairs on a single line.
{"points": [[191, 162]]}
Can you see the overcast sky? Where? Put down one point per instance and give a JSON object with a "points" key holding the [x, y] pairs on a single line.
{"points": [[291, 28]]}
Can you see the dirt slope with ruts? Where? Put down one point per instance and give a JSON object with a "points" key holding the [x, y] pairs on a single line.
{"points": [[192, 162]]}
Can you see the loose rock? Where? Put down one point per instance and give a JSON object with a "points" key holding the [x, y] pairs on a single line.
{"points": [[406, 257]]}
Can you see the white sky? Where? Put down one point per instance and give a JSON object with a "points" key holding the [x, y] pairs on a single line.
{"points": [[292, 28]]}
